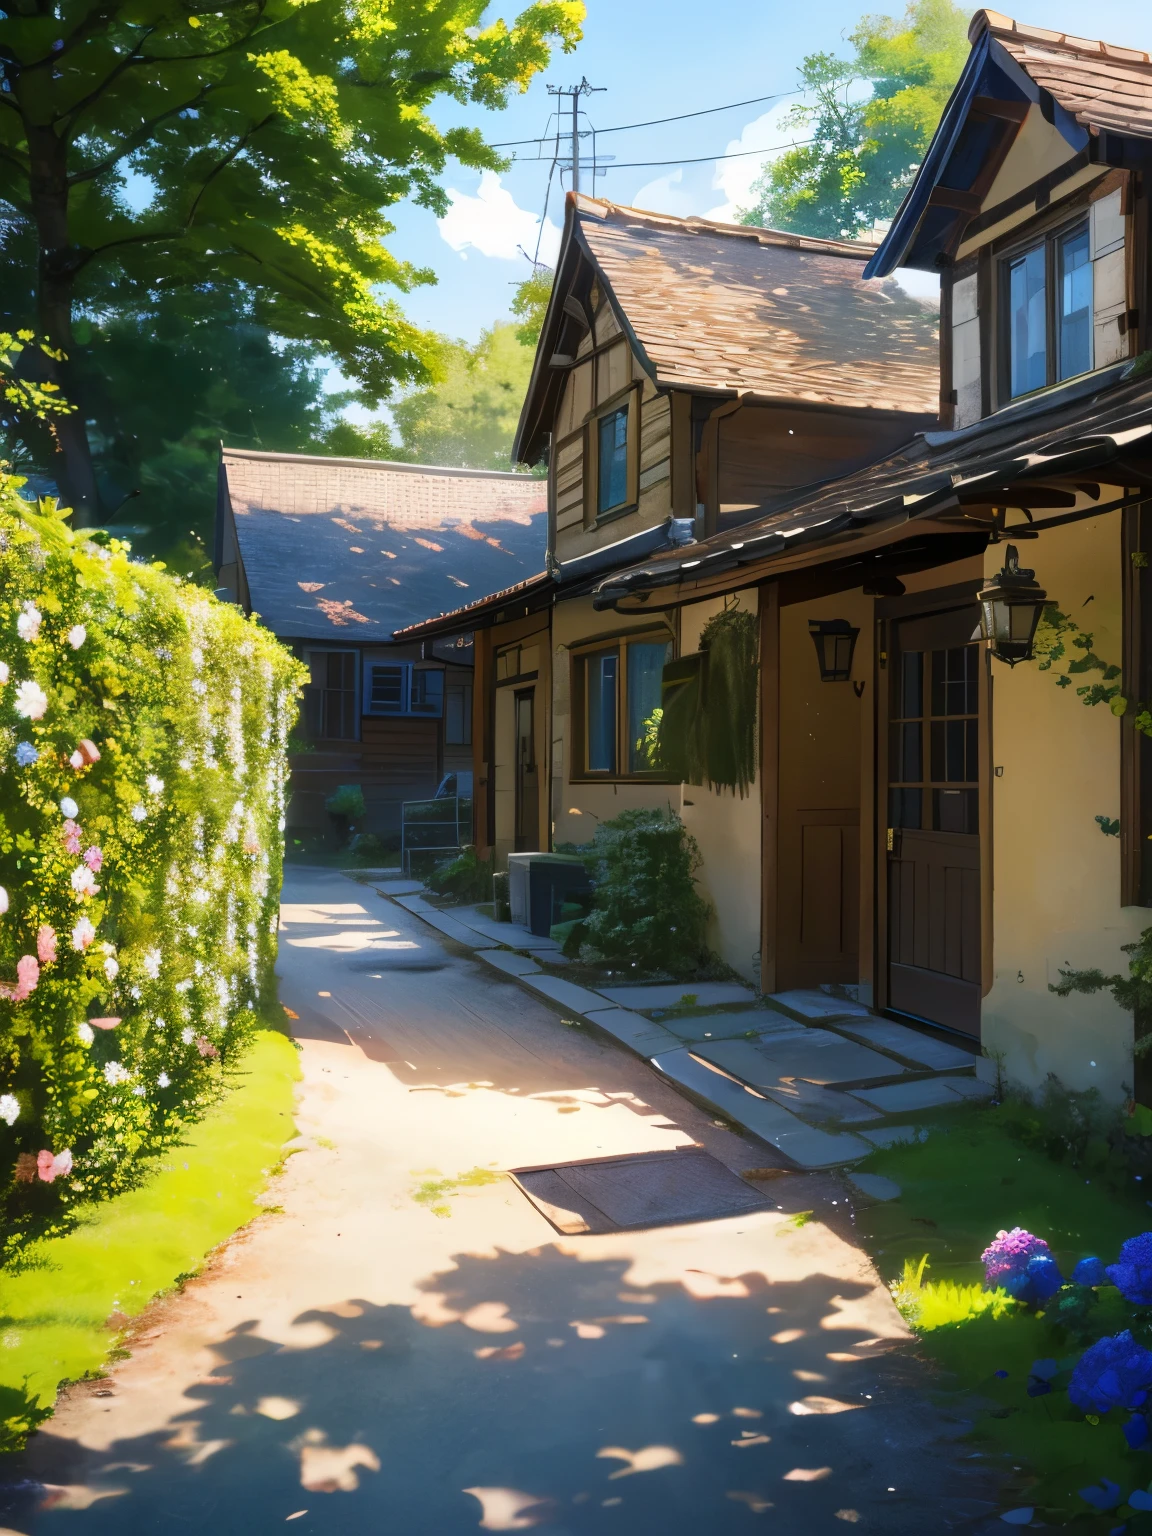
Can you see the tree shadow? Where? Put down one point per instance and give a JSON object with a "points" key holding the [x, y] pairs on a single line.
{"points": [[540, 1389]]}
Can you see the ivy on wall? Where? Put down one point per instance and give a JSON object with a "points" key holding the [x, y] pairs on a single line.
{"points": [[1061, 646], [705, 731]]}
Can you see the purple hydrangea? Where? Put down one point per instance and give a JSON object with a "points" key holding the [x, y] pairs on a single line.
{"points": [[1020, 1263], [1132, 1272], [26, 754], [1089, 1272], [1115, 1373]]}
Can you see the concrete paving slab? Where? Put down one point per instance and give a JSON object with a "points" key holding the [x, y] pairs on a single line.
{"points": [[412, 903], [887, 1035], [727, 1026], [634, 1030], [813, 1006], [804, 1144], [566, 993], [971, 1087], [816, 1055], [895, 1135], [398, 887], [515, 935], [821, 1106], [876, 1186], [707, 994], [504, 960], [453, 929], [898, 1098]]}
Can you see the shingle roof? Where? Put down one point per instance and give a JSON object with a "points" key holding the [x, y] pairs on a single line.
{"points": [[727, 307], [1100, 84], [353, 549]]}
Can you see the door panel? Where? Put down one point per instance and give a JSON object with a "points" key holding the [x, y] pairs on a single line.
{"points": [[819, 914], [527, 776]]}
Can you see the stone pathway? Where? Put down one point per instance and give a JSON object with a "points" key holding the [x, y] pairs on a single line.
{"points": [[804, 1070]]}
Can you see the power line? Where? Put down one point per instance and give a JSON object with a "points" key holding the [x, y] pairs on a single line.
{"points": [[654, 122], [629, 165]]}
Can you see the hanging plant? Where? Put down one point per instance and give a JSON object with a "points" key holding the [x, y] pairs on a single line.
{"points": [[706, 733]]}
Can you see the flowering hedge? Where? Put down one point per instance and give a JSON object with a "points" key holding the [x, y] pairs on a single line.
{"points": [[143, 728]]}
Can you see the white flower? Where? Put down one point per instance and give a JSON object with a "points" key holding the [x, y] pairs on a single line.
{"points": [[83, 881], [160, 1023], [9, 1108], [83, 934], [77, 636], [139, 1090], [187, 1035], [134, 993], [3, 901], [138, 813], [163, 1081], [4, 673], [111, 968], [197, 656], [86, 1033], [28, 622], [69, 808], [185, 763], [31, 700], [155, 785], [151, 963], [199, 688], [114, 1073], [182, 986]]}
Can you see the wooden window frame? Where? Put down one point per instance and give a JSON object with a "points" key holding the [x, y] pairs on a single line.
{"points": [[1047, 233], [628, 397], [307, 652], [579, 772]]}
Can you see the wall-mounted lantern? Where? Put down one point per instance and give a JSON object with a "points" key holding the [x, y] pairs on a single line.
{"points": [[835, 640], [1010, 609]]}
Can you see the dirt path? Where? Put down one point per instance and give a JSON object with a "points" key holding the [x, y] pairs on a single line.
{"points": [[358, 1363]]}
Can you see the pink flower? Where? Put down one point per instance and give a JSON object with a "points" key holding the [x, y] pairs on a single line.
{"points": [[104, 1023], [27, 978], [51, 1167], [46, 944], [76, 761], [83, 883], [70, 832], [205, 1046], [94, 858], [83, 934]]}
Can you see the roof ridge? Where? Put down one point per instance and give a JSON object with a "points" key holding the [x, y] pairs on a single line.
{"points": [[1001, 26], [603, 209], [454, 470]]}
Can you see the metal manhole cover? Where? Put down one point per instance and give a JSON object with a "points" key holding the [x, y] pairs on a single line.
{"points": [[645, 1190]]}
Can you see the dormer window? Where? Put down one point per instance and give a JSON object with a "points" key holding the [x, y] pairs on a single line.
{"points": [[1048, 311], [612, 491], [612, 456]]}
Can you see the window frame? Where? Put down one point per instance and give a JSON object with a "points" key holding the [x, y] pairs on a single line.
{"points": [[408, 710], [1049, 236], [627, 398], [311, 690], [579, 772]]}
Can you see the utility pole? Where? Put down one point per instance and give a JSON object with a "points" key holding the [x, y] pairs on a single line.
{"points": [[575, 92]]}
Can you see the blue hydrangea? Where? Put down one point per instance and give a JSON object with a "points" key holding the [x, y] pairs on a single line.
{"points": [[1115, 1372], [1136, 1431], [1132, 1272], [1033, 1285], [26, 754], [1089, 1272]]}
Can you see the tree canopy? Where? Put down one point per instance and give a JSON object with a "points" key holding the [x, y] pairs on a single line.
{"points": [[256, 143], [864, 151]]}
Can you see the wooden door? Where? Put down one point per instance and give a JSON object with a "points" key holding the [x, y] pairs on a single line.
{"points": [[527, 775], [819, 911], [935, 760]]}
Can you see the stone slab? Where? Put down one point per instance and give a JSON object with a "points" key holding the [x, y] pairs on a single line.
{"points": [[511, 964], [875, 1186], [398, 887], [708, 994], [971, 1088], [699, 1027], [515, 935], [895, 1135], [633, 1030], [412, 903], [822, 1106], [812, 1006], [805, 1145], [887, 1035], [899, 1098], [816, 1055], [451, 928], [566, 993]]}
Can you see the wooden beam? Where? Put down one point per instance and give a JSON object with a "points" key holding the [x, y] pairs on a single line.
{"points": [[769, 780]]}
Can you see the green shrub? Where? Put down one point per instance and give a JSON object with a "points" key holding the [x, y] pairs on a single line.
{"points": [[143, 728], [927, 1304], [466, 878], [346, 802], [646, 910]]}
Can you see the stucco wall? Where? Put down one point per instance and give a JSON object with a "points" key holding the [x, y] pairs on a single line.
{"points": [[1056, 898]]}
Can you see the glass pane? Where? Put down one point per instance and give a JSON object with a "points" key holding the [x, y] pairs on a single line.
{"points": [[954, 751], [613, 460], [904, 806], [601, 677], [388, 689], [1074, 320], [1027, 322], [911, 701], [956, 810], [906, 753], [645, 671], [954, 674]]}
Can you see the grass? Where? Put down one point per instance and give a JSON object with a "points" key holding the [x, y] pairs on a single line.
{"points": [[434, 1194], [970, 1178], [55, 1312]]}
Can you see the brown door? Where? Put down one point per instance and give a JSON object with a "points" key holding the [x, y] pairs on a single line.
{"points": [[819, 908], [527, 777], [934, 764]]}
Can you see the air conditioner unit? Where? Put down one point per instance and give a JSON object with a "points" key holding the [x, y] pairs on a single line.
{"points": [[538, 884]]}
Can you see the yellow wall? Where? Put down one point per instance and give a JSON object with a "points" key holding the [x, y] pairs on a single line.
{"points": [[1056, 876]]}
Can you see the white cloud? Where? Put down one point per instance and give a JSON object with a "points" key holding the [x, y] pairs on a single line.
{"points": [[924, 286], [492, 224], [735, 177], [667, 194]]}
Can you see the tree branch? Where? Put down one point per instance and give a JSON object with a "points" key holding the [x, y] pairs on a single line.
{"points": [[135, 140]]}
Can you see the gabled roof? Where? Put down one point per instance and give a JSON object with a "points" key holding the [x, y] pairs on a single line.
{"points": [[723, 309], [1098, 96], [349, 550]]}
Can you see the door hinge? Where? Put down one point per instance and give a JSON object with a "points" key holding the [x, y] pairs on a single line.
{"points": [[891, 839]]}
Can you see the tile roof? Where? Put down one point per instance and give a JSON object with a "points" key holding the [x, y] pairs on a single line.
{"points": [[353, 549], [1099, 84], [728, 307]]}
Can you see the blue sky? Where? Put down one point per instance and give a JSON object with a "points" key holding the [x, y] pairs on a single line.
{"points": [[653, 60]]}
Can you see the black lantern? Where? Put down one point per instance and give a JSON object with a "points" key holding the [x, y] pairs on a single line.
{"points": [[1010, 609], [835, 640]]}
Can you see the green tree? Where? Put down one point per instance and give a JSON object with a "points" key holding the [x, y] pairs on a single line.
{"points": [[863, 153], [530, 304], [252, 142], [468, 419]]}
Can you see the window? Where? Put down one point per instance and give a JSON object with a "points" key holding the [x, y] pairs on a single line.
{"points": [[934, 746], [616, 692], [612, 457], [330, 696], [398, 688], [612, 490], [1048, 303], [458, 715]]}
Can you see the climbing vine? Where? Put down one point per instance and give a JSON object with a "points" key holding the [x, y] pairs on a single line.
{"points": [[1061, 646]]}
